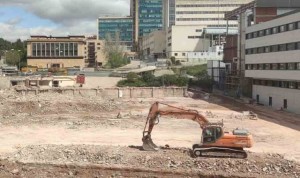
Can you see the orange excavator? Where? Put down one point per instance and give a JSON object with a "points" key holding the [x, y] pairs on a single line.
{"points": [[214, 142]]}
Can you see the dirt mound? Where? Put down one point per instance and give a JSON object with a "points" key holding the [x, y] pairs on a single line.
{"points": [[260, 165]]}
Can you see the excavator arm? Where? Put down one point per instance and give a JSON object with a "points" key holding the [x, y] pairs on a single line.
{"points": [[167, 110]]}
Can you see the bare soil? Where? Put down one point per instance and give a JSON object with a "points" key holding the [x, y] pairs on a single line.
{"points": [[55, 135]]}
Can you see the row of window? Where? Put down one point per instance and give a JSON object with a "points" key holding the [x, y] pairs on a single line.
{"points": [[274, 30], [199, 19], [54, 49], [274, 48], [194, 37], [201, 12], [274, 66], [280, 84], [209, 5]]}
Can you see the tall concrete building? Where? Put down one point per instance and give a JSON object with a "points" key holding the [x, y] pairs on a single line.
{"points": [[169, 12], [272, 61], [147, 17]]}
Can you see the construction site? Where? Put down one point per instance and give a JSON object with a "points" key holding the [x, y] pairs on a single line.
{"points": [[85, 134]]}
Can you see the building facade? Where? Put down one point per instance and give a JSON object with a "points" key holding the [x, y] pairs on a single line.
{"points": [[272, 61], [182, 40], [169, 9], [258, 11], [64, 52], [209, 13], [109, 27], [147, 16], [154, 45]]}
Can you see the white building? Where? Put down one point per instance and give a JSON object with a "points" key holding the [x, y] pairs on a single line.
{"points": [[273, 62], [209, 13], [185, 39], [154, 45]]}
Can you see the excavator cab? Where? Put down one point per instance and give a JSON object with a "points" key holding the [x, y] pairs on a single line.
{"points": [[211, 134]]}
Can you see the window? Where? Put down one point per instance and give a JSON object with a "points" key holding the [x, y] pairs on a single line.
{"points": [[298, 66], [267, 66], [291, 26], [260, 66], [255, 35], [298, 25], [261, 33], [292, 85], [261, 50], [274, 30], [282, 28], [292, 66], [254, 66], [298, 45], [275, 67], [282, 47], [176, 54], [183, 54], [291, 46], [274, 48], [98, 48], [254, 50], [267, 49], [267, 31], [283, 66]]}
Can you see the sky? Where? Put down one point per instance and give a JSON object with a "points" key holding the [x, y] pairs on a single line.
{"points": [[22, 18]]}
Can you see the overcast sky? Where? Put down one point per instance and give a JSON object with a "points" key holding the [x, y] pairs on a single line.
{"points": [[22, 18]]}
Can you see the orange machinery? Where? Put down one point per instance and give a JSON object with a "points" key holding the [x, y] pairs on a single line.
{"points": [[214, 142]]}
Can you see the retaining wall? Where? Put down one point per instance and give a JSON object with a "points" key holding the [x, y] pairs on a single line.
{"points": [[136, 92]]}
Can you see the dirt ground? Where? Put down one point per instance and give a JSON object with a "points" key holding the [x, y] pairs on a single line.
{"points": [[54, 135]]}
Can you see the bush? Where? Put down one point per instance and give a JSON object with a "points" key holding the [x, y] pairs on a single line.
{"points": [[149, 80]]}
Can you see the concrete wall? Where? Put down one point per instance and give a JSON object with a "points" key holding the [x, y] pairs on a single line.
{"points": [[117, 92], [278, 95]]}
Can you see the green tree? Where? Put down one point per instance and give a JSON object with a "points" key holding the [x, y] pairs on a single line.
{"points": [[114, 51], [13, 58]]}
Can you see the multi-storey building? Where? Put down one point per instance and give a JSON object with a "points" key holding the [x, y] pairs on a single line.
{"points": [[64, 52], [272, 61], [112, 26], [258, 11], [169, 8], [147, 17], [208, 13]]}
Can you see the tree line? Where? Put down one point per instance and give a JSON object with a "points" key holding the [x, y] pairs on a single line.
{"points": [[15, 53]]}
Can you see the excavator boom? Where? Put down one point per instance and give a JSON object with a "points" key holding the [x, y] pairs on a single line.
{"points": [[168, 110]]}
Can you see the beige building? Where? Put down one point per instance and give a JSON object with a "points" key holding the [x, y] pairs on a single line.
{"points": [[272, 61], [64, 52], [154, 45]]}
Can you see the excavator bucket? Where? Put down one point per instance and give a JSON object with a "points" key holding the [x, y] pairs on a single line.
{"points": [[148, 144]]}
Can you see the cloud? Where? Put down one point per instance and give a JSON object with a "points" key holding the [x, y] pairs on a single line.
{"points": [[14, 21], [76, 17], [13, 32], [71, 11]]}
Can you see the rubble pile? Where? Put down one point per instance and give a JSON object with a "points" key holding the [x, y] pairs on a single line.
{"points": [[169, 159]]}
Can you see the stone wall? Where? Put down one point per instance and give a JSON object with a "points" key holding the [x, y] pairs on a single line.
{"points": [[136, 92]]}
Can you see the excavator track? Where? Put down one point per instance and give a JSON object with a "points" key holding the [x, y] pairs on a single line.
{"points": [[218, 152]]}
